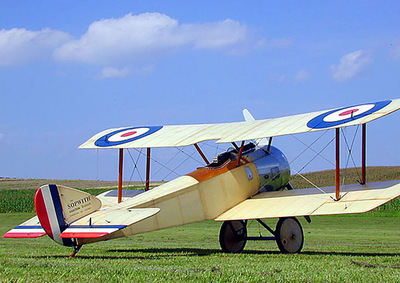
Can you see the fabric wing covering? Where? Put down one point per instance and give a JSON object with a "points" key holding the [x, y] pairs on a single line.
{"points": [[305, 202], [183, 135]]}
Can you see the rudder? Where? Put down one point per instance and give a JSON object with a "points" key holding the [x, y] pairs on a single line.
{"points": [[58, 206]]}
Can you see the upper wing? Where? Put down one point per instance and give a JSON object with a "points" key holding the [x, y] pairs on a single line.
{"points": [[303, 202], [183, 135]]}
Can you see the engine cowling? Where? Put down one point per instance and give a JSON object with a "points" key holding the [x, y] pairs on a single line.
{"points": [[272, 167]]}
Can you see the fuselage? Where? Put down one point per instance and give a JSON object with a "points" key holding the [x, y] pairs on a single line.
{"points": [[205, 193]]}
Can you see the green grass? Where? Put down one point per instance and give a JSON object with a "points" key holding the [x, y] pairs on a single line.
{"points": [[350, 248], [361, 248]]}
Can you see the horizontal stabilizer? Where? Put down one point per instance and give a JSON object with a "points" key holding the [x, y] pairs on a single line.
{"points": [[304, 202], [92, 231], [110, 198], [106, 221], [29, 229]]}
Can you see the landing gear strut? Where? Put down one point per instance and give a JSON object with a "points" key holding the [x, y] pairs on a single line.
{"points": [[288, 235], [76, 250]]}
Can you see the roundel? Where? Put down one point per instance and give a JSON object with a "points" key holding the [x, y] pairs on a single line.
{"points": [[344, 115], [125, 135]]}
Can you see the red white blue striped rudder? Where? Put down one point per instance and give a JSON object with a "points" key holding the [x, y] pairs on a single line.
{"points": [[58, 206]]}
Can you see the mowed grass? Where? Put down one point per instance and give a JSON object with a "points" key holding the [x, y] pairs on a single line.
{"points": [[362, 248], [352, 248]]}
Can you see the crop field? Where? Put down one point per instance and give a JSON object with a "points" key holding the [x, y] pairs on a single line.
{"points": [[352, 248]]}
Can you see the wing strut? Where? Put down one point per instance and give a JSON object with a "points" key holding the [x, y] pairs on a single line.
{"points": [[201, 153], [269, 144], [240, 153], [121, 165], [337, 175], [364, 155], [363, 159], [148, 170], [235, 146]]}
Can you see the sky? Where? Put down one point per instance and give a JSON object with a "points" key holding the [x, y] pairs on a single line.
{"points": [[70, 69]]}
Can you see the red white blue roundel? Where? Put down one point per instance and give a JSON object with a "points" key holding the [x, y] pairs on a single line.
{"points": [[344, 115], [125, 135]]}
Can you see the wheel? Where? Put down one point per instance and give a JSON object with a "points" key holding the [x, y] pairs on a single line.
{"points": [[289, 235], [232, 236]]}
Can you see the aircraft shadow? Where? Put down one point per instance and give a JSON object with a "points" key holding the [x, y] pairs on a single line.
{"points": [[154, 253], [204, 252]]}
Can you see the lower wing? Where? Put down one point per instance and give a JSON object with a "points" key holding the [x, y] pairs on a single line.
{"points": [[304, 202]]}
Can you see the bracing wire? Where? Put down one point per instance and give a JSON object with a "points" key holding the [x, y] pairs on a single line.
{"points": [[135, 168], [179, 165], [317, 154], [190, 155], [155, 161], [309, 147], [350, 155], [314, 185], [97, 164], [171, 171], [158, 171]]}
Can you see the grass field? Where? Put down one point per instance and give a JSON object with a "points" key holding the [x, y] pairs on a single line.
{"points": [[353, 248], [362, 248]]}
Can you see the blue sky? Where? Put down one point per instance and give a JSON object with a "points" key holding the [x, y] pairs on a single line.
{"points": [[70, 69]]}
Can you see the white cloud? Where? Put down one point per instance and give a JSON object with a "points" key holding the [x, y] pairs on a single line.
{"points": [[1, 136], [112, 72], [350, 65], [20, 46], [274, 43], [134, 38], [301, 76]]}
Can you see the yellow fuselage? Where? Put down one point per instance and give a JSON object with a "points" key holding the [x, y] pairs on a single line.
{"points": [[200, 195]]}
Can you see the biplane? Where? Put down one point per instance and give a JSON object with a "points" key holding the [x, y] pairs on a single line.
{"points": [[250, 181]]}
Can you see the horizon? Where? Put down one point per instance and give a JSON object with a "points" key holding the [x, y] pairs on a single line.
{"points": [[70, 69]]}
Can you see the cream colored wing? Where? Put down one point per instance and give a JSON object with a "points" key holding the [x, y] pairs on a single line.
{"points": [[183, 135], [304, 202]]}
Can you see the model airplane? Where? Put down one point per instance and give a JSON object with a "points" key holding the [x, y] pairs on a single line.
{"points": [[248, 182]]}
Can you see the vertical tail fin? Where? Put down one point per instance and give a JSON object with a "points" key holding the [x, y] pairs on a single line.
{"points": [[249, 117], [58, 206]]}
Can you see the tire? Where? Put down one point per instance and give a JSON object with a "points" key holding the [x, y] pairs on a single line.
{"points": [[289, 235], [233, 236]]}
